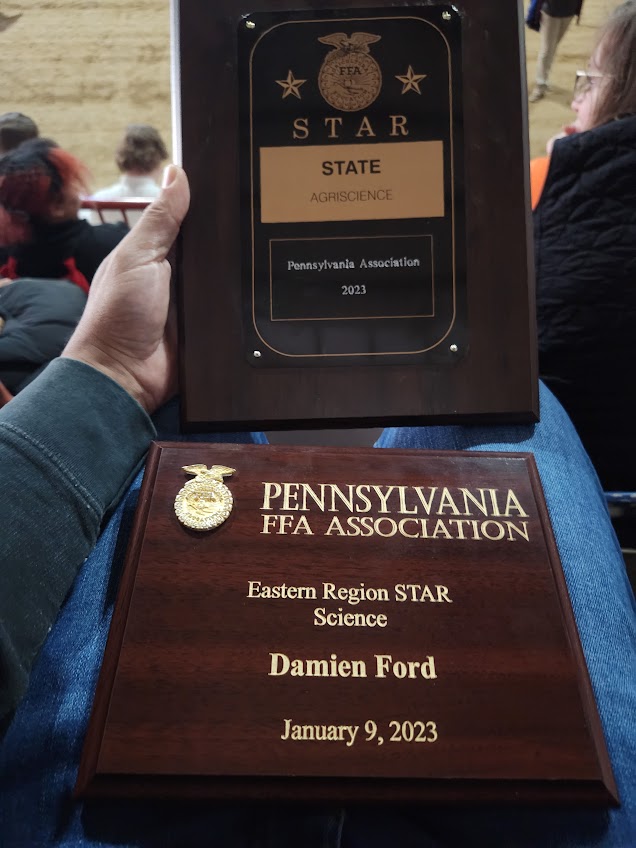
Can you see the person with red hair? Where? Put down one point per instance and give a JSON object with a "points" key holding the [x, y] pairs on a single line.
{"points": [[40, 233]]}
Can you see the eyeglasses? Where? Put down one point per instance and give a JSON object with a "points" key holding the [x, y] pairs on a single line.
{"points": [[584, 82]]}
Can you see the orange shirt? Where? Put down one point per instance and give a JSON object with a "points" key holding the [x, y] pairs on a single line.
{"points": [[538, 173]]}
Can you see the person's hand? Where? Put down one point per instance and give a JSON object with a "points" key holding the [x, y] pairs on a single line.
{"points": [[569, 129], [128, 329]]}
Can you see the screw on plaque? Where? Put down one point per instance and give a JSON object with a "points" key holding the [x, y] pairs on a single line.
{"points": [[250, 24], [453, 348], [446, 15], [257, 354]]}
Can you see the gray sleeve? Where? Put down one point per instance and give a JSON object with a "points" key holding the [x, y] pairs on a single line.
{"points": [[70, 443]]}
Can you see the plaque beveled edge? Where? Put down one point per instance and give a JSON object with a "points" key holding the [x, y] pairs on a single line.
{"points": [[588, 700], [92, 784]]}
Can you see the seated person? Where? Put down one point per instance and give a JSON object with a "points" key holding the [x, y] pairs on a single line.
{"points": [[40, 232], [37, 318], [14, 129], [140, 157], [70, 444], [585, 256]]}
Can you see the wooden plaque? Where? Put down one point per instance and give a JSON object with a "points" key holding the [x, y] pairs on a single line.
{"points": [[366, 624], [358, 247]]}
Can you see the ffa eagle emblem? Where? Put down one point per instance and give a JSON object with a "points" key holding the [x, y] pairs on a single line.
{"points": [[350, 79], [205, 502]]}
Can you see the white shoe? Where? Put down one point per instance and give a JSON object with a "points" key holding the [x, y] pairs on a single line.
{"points": [[538, 92]]}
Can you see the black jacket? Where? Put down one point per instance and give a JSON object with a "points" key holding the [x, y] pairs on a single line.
{"points": [[53, 246], [39, 317], [585, 248]]}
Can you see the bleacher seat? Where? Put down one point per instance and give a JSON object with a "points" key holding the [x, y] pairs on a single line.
{"points": [[110, 211]]}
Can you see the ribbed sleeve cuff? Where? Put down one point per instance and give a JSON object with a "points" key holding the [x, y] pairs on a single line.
{"points": [[86, 425]]}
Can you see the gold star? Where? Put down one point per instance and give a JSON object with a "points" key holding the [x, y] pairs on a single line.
{"points": [[411, 81], [291, 85]]}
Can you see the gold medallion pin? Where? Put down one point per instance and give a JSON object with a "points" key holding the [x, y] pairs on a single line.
{"points": [[205, 502]]}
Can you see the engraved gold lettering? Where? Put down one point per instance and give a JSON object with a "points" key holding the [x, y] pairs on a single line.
{"points": [[290, 496], [398, 122], [427, 504], [403, 531], [281, 664], [444, 506], [319, 732], [353, 594], [446, 502], [419, 593], [410, 669], [365, 128], [513, 504], [268, 521], [256, 589], [323, 618], [402, 495], [301, 128], [383, 497], [331, 122], [272, 490]]}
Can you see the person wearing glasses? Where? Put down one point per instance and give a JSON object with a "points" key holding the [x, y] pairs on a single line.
{"points": [[585, 254]]}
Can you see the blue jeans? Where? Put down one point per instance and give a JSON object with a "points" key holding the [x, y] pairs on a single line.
{"points": [[40, 754]]}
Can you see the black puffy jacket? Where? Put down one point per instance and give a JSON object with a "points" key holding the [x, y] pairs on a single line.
{"points": [[39, 317], [585, 249]]}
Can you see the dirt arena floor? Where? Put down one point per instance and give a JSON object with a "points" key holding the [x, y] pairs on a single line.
{"points": [[84, 69]]}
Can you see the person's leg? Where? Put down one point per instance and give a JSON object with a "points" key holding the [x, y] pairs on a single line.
{"points": [[563, 28], [550, 33], [605, 613]]}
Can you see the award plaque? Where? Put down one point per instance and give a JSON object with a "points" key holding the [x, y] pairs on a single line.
{"points": [[344, 624], [357, 246]]}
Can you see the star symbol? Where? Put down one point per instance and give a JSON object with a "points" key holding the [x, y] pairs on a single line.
{"points": [[291, 85], [411, 81]]}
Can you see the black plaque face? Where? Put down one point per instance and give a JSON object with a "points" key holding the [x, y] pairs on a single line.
{"points": [[352, 180]]}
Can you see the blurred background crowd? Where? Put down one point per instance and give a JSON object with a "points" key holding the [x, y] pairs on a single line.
{"points": [[93, 68]]}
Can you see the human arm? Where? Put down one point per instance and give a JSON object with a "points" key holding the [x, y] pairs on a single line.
{"points": [[568, 129], [71, 441]]}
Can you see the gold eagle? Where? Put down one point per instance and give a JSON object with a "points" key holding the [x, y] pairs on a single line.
{"points": [[357, 43]]}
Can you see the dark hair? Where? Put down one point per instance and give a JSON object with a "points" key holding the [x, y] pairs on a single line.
{"points": [[616, 50], [32, 177], [14, 129], [142, 149]]}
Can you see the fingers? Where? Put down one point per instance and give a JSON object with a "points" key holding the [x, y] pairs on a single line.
{"points": [[153, 235]]}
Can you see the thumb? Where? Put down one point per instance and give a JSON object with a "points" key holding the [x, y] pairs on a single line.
{"points": [[152, 236]]}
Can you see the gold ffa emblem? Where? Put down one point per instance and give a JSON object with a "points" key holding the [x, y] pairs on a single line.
{"points": [[350, 79], [205, 502]]}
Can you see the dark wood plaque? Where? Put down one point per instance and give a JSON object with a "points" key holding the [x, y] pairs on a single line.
{"points": [[365, 625], [357, 250]]}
